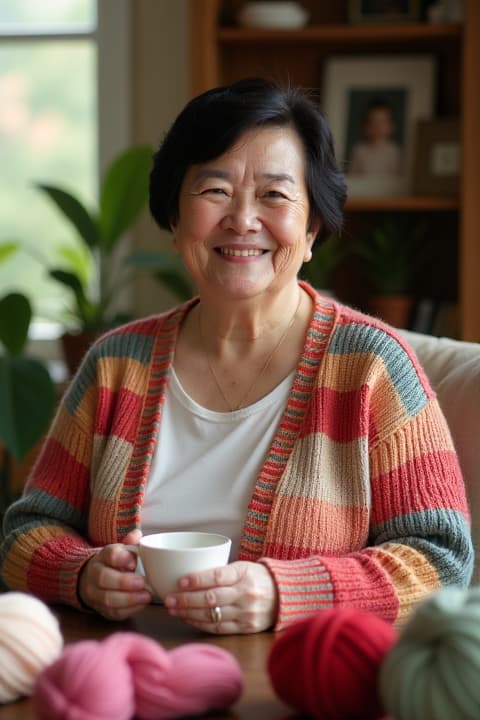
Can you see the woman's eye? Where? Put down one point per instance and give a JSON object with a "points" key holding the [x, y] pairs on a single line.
{"points": [[214, 191], [275, 194]]}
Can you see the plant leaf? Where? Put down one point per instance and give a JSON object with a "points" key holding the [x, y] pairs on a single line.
{"points": [[87, 311], [79, 261], [7, 249], [15, 316], [27, 398], [124, 194], [75, 212], [69, 279]]}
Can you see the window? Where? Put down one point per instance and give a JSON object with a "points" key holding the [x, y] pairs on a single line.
{"points": [[55, 58]]}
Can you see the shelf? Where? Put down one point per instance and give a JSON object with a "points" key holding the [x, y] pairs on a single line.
{"points": [[225, 53], [403, 204], [342, 33]]}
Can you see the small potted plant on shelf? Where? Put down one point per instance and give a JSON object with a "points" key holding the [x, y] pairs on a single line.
{"points": [[391, 253], [27, 392], [97, 272]]}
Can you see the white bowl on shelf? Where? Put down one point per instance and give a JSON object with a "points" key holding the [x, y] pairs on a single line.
{"points": [[282, 15]]}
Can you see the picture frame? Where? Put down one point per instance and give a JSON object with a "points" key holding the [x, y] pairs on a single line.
{"points": [[437, 157], [383, 11], [373, 105]]}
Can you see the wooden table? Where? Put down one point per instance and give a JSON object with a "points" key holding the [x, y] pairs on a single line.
{"points": [[258, 701]]}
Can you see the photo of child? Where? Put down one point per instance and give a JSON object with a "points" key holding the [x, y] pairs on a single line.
{"points": [[375, 134]]}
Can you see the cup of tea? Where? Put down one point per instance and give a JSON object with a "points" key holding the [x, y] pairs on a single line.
{"points": [[167, 556]]}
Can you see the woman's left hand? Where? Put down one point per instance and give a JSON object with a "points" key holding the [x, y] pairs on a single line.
{"points": [[244, 592]]}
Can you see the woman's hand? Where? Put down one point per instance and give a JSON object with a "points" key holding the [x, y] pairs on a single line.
{"points": [[245, 592], [108, 583]]}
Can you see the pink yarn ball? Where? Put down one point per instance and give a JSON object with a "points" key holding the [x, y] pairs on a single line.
{"points": [[130, 675], [87, 682]]}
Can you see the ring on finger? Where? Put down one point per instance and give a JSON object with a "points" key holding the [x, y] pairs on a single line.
{"points": [[216, 615]]}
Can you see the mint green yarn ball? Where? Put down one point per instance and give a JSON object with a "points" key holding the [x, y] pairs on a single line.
{"points": [[433, 671]]}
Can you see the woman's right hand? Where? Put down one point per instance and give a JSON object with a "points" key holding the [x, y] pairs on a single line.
{"points": [[108, 582]]}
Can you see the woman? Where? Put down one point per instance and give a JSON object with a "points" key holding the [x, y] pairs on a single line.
{"points": [[303, 429]]}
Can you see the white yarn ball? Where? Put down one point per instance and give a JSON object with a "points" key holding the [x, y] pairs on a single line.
{"points": [[30, 640]]}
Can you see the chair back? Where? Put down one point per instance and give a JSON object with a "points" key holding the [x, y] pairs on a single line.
{"points": [[453, 368]]}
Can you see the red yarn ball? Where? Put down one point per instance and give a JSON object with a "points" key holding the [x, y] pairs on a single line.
{"points": [[327, 665], [130, 675]]}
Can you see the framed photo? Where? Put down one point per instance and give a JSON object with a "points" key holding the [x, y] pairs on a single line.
{"points": [[373, 105], [385, 11], [437, 157]]}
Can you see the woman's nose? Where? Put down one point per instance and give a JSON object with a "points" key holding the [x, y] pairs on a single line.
{"points": [[241, 216]]}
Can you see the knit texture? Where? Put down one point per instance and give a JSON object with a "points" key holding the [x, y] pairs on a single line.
{"points": [[360, 501]]}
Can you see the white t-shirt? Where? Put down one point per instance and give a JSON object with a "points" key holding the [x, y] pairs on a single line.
{"points": [[206, 463]]}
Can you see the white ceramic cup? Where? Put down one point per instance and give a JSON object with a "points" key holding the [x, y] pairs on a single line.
{"points": [[167, 556]]}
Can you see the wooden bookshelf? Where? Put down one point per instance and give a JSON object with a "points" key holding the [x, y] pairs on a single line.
{"points": [[222, 52]]}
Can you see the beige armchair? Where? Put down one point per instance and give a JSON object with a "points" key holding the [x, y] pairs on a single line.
{"points": [[453, 368]]}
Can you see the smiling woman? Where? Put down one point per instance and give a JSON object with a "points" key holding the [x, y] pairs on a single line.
{"points": [[303, 430]]}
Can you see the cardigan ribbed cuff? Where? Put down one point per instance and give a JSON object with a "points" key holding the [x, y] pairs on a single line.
{"points": [[310, 585], [303, 587]]}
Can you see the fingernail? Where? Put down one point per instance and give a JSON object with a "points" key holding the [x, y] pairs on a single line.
{"points": [[184, 583], [170, 601], [143, 597], [138, 582]]}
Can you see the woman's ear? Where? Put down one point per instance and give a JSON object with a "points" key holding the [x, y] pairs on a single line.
{"points": [[173, 230], [312, 233]]}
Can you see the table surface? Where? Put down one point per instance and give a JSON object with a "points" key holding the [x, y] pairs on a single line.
{"points": [[258, 700]]}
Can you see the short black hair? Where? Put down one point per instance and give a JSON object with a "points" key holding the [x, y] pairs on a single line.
{"points": [[212, 122]]}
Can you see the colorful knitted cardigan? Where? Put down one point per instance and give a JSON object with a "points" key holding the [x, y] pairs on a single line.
{"points": [[360, 500]]}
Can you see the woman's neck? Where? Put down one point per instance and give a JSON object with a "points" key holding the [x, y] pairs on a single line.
{"points": [[246, 322]]}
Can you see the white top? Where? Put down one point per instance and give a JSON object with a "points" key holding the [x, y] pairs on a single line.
{"points": [[206, 463]]}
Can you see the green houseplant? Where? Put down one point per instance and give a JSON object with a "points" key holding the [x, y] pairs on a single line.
{"points": [[123, 195], [391, 254], [96, 273], [27, 392]]}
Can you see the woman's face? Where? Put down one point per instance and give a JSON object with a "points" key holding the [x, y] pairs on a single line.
{"points": [[243, 217]]}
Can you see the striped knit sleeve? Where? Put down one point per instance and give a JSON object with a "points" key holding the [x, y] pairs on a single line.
{"points": [[79, 495], [44, 546], [393, 524]]}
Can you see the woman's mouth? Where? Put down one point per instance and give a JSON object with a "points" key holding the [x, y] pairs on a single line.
{"points": [[237, 252]]}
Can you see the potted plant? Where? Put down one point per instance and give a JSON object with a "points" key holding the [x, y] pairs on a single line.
{"points": [[391, 255], [95, 274], [27, 392], [320, 271]]}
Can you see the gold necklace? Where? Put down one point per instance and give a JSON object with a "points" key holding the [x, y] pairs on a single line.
{"points": [[265, 365]]}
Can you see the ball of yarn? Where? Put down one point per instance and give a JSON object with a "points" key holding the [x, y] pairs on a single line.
{"points": [[327, 665], [30, 639], [130, 675], [433, 672]]}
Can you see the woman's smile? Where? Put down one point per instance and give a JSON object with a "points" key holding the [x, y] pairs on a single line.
{"points": [[240, 253]]}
